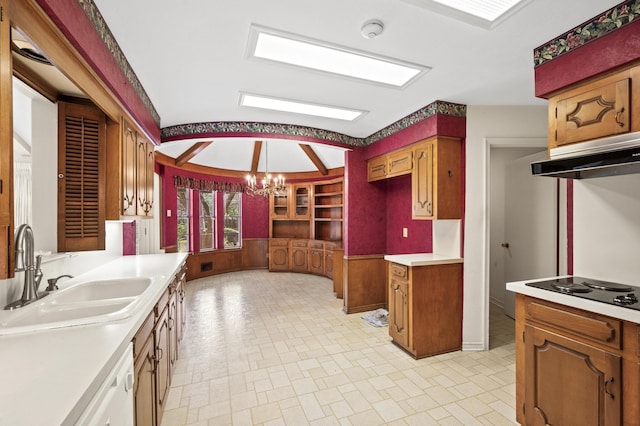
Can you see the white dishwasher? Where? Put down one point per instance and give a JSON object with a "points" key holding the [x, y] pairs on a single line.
{"points": [[113, 403]]}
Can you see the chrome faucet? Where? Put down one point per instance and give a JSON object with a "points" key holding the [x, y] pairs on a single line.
{"points": [[53, 282], [25, 260]]}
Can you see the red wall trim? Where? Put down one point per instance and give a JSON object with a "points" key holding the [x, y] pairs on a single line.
{"points": [[614, 50]]}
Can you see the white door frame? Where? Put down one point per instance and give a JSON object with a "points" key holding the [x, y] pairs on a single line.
{"points": [[515, 142]]}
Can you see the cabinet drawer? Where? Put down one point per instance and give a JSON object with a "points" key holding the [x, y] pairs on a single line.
{"points": [[299, 243], [399, 271], [316, 244], [330, 246], [144, 332], [586, 325], [162, 303], [279, 242]]}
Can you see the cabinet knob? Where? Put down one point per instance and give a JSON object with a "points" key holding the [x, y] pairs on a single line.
{"points": [[60, 176]]}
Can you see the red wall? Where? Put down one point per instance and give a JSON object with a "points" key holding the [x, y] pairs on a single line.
{"points": [[419, 238], [255, 210], [376, 212], [74, 24]]}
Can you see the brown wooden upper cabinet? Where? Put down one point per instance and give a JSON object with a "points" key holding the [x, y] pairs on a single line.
{"points": [[436, 181], [6, 148], [598, 108], [131, 166], [81, 177], [293, 204], [389, 165]]}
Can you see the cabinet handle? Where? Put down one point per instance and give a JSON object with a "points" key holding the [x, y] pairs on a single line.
{"points": [[606, 388], [161, 354], [618, 116]]}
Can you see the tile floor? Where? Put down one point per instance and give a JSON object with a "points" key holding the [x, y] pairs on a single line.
{"points": [[266, 348]]}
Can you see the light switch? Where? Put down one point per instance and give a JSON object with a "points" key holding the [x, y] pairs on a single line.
{"points": [[405, 232], [168, 213]]}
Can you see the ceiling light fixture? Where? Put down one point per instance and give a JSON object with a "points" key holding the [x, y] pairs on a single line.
{"points": [[299, 107], [482, 13], [318, 56], [485, 9], [270, 185], [372, 28]]}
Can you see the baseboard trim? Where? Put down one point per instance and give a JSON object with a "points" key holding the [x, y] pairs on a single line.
{"points": [[496, 302], [473, 347]]}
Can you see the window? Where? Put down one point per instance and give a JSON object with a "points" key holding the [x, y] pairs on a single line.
{"points": [[232, 219], [184, 216], [207, 221]]}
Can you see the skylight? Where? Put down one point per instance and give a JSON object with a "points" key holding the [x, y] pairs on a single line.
{"points": [[485, 9], [332, 59], [482, 13], [285, 105]]}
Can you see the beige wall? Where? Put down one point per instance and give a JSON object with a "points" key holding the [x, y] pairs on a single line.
{"points": [[486, 122]]}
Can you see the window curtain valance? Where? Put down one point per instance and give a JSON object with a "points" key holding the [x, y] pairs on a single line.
{"points": [[207, 185]]}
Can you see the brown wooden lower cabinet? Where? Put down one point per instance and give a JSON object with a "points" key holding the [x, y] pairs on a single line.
{"points": [[425, 308], [163, 361], [575, 367], [298, 256], [302, 255], [144, 387], [155, 347], [279, 255]]}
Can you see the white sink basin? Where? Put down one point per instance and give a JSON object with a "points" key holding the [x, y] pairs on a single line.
{"points": [[103, 289], [84, 303], [68, 315]]}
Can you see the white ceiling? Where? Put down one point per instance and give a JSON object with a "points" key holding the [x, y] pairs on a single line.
{"points": [[191, 57]]}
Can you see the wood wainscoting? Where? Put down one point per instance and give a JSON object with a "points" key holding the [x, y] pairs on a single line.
{"points": [[364, 283], [252, 255]]}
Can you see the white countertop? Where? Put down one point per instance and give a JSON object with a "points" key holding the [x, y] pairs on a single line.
{"points": [[48, 377], [422, 259], [613, 311]]}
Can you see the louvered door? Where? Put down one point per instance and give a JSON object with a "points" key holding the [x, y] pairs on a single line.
{"points": [[81, 177]]}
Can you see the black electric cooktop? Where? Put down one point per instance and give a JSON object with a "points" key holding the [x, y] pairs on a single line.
{"points": [[588, 288]]}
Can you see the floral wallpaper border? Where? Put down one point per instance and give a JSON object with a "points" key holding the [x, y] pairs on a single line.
{"points": [[98, 22], [611, 20], [275, 129]]}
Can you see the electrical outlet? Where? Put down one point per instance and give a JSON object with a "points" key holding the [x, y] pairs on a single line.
{"points": [[405, 232]]}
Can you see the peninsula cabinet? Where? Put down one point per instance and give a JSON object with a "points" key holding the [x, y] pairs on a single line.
{"points": [[425, 308], [436, 180], [570, 364], [130, 164], [604, 106]]}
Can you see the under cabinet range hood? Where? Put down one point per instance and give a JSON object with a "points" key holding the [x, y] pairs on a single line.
{"points": [[616, 155]]}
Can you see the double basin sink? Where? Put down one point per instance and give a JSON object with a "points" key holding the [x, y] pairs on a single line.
{"points": [[84, 303]]}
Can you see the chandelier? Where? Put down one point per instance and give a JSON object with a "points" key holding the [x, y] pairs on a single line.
{"points": [[270, 185]]}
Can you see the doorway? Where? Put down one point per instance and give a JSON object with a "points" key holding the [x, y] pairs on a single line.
{"points": [[507, 172]]}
